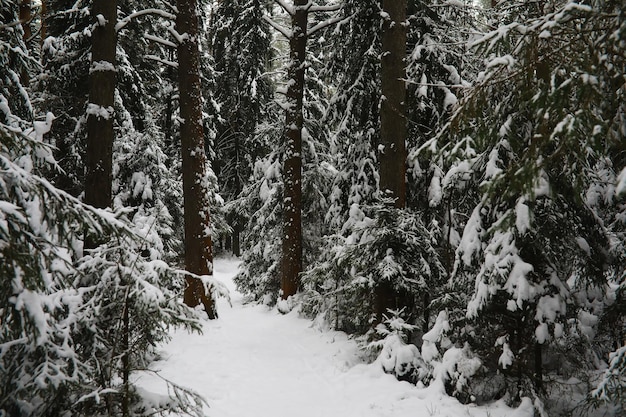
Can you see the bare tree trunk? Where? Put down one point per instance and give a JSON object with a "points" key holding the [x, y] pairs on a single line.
{"points": [[100, 113], [393, 129], [198, 250], [292, 164]]}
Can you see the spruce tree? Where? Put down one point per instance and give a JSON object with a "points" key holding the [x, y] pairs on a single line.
{"points": [[536, 248], [240, 41]]}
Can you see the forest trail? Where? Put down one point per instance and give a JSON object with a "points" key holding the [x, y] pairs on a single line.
{"points": [[256, 362]]}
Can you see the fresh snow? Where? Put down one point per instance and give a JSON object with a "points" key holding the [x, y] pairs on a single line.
{"points": [[254, 361]]}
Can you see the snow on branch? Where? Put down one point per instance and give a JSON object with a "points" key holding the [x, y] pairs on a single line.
{"points": [[10, 25], [180, 38], [327, 8], [321, 25], [122, 23], [289, 9], [160, 40], [283, 30], [162, 61]]}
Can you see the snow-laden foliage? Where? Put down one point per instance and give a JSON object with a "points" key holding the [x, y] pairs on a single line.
{"points": [[16, 64], [147, 186], [448, 367], [63, 87], [239, 38], [394, 354], [74, 328], [240, 41], [261, 203], [129, 305], [260, 275], [533, 155], [352, 67], [387, 247], [438, 70]]}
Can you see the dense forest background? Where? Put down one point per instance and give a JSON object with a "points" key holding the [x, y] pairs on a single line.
{"points": [[444, 180]]}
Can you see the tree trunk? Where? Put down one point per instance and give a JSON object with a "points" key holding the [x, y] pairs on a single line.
{"points": [[236, 247], [292, 164], [198, 254], [25, 17], [538, 367], [100, 113], [393, 129], [236, 239], [44, 23], [126, 357]]}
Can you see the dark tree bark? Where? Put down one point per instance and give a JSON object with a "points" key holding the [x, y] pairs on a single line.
{"points": [[538, 377], [291, 265], [393, 128], [25, 17], [44, 24], [100, 113], [198, 250]]}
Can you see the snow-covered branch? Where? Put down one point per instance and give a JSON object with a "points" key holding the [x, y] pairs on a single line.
{"points": [[439, 85], [283, 30], [162, 61], [289, 9], [323, 24], [327, 8], [10, 25], [160, 40], [122, 23], [172, 30]]}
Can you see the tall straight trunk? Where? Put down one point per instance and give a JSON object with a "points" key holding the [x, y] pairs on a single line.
{"points": [[538, 377], [44, 23], [236, 246], [100, 112], [291, 266], [393, 128], [198, 251], [25, 17]]}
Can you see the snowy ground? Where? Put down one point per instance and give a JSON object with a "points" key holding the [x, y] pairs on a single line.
{"points": [[256, 362]]}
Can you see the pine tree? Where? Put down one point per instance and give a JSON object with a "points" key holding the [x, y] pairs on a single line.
{"points": [[63, 88]]}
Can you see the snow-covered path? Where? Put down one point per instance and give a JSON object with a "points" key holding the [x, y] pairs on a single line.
{"points": [[255, 362]]}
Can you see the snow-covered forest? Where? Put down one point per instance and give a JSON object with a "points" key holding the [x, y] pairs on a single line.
{"points": [[436, 188]]}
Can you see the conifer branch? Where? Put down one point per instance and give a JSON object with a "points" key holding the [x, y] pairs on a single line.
{"points": [[123, 22], [283, 30]]}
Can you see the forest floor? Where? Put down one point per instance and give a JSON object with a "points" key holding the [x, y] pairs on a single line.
{"points": [[255, 362]]}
